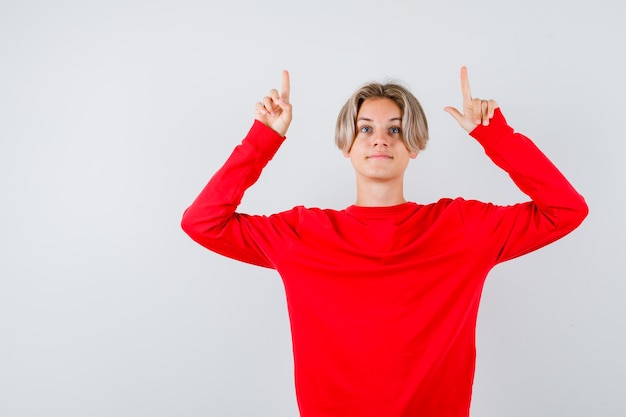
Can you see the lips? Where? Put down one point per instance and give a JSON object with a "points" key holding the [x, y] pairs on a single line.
{"points": [[380, 156]]}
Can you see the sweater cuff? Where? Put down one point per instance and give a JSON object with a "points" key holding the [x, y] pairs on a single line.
{"points": [[264, 140], [490, 135]]}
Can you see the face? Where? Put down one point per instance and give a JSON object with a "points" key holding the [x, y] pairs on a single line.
{"points": [[378, 152]]}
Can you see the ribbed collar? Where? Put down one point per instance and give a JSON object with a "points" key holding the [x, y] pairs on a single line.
{"points": [[390, 213]]}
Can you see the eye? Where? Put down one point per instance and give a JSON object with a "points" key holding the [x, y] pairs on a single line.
{"points": [[394, 130], [365, 129]]}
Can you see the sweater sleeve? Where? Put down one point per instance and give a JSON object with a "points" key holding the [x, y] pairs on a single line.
{"points": [[555, 209], [212, 220]]}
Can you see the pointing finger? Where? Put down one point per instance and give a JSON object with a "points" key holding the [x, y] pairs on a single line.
{"points": [[465, 87], [286, 87]]}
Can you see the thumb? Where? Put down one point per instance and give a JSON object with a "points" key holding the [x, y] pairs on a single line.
{"points": [[286, 109], [452, 111], [285, 106]]}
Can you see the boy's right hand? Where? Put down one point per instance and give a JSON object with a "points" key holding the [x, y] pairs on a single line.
{"points": [[274, 111]]}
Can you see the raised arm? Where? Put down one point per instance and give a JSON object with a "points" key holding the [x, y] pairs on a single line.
{"points": [[212, 220], [555, 209]]}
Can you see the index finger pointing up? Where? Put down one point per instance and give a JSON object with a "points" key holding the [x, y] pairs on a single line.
{"points": [[465, 87], [284, 92]]}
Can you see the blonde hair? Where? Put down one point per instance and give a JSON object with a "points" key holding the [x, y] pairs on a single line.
{"points": [[414, 124]]}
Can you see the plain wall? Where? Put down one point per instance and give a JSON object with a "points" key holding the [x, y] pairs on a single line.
{"points": [[113, 116]]}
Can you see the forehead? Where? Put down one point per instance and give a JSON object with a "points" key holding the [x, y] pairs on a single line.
{"points": [[379, 108]]}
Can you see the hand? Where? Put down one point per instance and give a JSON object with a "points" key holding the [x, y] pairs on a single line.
{"points": [[475, 110], [274, 111]]}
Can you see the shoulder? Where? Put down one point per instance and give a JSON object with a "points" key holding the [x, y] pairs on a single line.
{"points": [[460, 208]]}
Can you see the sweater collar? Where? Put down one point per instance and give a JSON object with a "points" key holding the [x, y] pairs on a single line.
{"points": [[388, 212]]}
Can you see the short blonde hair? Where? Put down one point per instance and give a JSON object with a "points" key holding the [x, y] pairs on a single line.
{"points": [[414, 124]]}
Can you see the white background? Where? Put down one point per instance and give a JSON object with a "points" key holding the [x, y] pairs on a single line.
{"points": [[114, 114]]}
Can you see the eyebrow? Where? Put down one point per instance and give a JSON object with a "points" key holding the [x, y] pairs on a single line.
{"points": [[394, 119]]}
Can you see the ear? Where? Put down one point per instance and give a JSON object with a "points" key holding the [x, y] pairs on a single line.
{"points": [[413, 154]]}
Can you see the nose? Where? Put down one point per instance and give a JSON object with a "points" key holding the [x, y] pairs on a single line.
{"points": [[380, 140]]}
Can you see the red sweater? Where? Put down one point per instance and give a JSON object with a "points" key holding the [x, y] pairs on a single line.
{"points": [[383, 300]]}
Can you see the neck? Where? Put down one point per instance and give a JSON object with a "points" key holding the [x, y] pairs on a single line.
{"points": [[379, 194]]}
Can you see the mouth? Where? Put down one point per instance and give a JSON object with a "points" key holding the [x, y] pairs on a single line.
{"points": [[380, 156]]}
